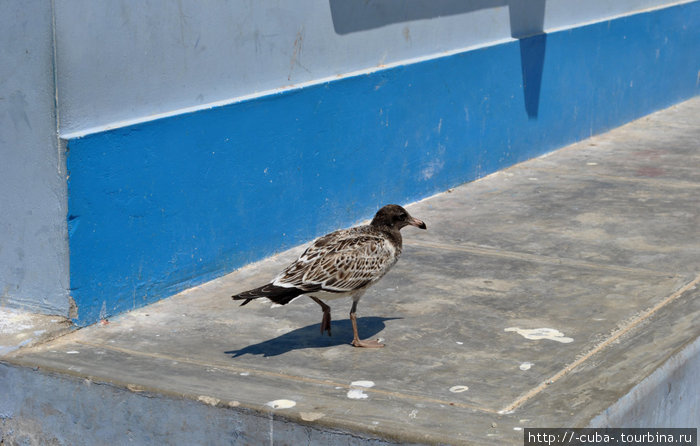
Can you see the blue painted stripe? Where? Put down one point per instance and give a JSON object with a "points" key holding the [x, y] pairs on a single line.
{"points": [[159, 206]]}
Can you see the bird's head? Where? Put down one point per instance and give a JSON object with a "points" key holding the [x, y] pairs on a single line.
{"points": [[394, 216]]}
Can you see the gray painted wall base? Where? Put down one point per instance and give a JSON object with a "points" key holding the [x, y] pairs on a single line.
{"points": [[669, 397], [40, 408]]}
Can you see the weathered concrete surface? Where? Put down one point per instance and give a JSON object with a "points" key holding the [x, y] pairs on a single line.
{"points": [[598, 242], [21, 329]]}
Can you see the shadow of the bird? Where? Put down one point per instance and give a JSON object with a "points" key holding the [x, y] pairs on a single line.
{"points": [[309, 337]]}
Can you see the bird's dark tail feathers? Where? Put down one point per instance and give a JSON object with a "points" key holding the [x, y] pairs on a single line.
{"points": [[277, 294]]}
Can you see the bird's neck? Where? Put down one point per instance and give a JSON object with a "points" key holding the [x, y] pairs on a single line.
{"points": [[393, 234]]}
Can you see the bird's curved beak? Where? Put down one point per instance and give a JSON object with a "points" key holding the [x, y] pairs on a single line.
{"points": [[417, 223]]}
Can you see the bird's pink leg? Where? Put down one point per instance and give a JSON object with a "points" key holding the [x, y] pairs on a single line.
{"points": [[369, 343], [326, 321]]}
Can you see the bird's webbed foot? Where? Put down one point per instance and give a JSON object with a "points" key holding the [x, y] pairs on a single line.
{"points": [[368, 343]]}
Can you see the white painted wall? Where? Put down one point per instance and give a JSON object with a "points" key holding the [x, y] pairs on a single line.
{"points": [[33, 245], [123, 60]]}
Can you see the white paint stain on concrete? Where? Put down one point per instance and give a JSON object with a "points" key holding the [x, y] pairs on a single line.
{"points": [[281, 404], [541, 333], [458, 389], [311, 416], [357, 392]]}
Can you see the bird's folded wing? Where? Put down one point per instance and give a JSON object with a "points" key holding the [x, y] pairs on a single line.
{"points": [[340, 262]]}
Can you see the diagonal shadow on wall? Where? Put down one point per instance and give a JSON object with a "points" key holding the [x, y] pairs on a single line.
{"points": [[526, 25]]}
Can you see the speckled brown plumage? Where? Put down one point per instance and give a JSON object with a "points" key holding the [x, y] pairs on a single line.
{"points": [[342, 263]]}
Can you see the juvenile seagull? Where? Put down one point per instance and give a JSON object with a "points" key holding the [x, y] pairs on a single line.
{"points": [[342, 263]]}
